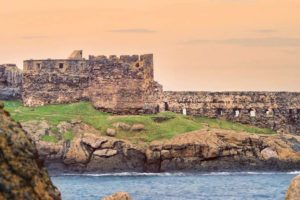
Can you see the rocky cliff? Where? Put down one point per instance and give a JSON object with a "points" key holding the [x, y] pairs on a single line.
{"points": [[220, 150], [203, 150], [22, 175], [10, 82], [293, 192]]}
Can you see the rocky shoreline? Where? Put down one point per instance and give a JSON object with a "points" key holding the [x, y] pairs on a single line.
{"points": [[198, 151]]}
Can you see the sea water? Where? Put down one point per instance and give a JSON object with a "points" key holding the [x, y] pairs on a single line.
{"points": [[173, 186]]}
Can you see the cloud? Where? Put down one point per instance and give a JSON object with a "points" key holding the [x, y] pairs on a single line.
{"points": [[262, 42], [33, 37], [134, 30], [265, 30]]}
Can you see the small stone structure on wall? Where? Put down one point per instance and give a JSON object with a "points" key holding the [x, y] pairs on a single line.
{"points": [[10, 82], [125, 85]]}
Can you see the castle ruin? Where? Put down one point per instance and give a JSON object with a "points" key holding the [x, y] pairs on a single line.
{"points": [[125, 85], [122, 85]]}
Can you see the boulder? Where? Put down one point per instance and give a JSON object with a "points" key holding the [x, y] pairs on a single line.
{"points": [[36, 129], [123, 126], [118, 196], [111, 132], [76, 153], [93, 141], [137, 127], [268, 153], [293, 192], [64, 126], [22, 174], [105, 152]]}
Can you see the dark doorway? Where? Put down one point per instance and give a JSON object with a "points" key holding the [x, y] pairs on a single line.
{"points": [[157, 109], [166, 106], [219, 111]]}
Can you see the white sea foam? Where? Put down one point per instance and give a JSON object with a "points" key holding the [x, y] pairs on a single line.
{"points": [[125, 174], [179, 174]]}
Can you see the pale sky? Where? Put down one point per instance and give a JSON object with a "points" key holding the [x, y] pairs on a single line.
{"points": [[210, 45]]}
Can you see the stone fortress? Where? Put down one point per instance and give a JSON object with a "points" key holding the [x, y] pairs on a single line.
{"points": [[125, 85]]}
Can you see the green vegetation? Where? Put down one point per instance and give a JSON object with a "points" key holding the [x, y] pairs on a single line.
{"points": [[228, 125], [49, 138], [173, 125], [68, 136]]}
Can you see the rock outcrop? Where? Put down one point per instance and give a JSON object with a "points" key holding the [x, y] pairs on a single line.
{"points": [[293, 192], [10, 82], [22, 175], [217, 150], [118, 196], [203, 150]]}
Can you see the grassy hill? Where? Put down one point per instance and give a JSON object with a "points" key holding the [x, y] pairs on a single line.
{"points": [[158, 126]]}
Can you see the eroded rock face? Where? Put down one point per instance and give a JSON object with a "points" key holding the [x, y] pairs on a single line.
{"points": [[22, 175], [224, 150], [118, 196], [293, 192], [203, 150], [91, 153], [36, 129]]}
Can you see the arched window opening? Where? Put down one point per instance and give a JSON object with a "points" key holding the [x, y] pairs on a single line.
{"points": [[184, 111], [252, 112], [61, 65], [166, 106], [269, 112], [236, 113], [220, 112], [157, 109]]}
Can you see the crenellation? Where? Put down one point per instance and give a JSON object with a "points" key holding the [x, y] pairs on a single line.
{"points": [[125, 85]]}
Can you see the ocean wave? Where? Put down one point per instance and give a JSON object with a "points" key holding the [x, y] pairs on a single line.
{"points": [[178, 174], [125, 174]]}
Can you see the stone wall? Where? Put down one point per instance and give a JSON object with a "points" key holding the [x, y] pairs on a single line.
{"points": [[10, 82], [54, 81], [275, 110], [123, 84]]}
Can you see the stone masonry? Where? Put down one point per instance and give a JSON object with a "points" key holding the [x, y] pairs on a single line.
{"points": [[275, 110], [125, 85], [10, 82], [122, 85]]}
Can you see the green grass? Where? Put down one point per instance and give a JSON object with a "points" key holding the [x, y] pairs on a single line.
{"points": [[176, 124], [68, 136], [235, 126], [49, 138]]}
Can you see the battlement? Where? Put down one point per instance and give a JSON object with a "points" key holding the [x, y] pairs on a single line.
{"points": [[108, 82], [125, 85], [55, 66], [122, 58]]}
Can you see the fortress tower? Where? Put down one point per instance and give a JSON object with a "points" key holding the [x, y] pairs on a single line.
{"points": [[122, 85], [125, 85]]}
